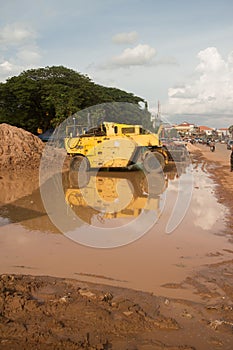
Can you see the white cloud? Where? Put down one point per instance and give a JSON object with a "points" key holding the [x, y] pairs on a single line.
{"points": [[125, 38], [6, 66], [210, 61], [140, 55], [9, 68], [211, 92], [29, 55], [15, 34], [18, 49]]}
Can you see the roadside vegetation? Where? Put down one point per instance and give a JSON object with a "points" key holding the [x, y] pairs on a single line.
{"points": [[43, 98]]}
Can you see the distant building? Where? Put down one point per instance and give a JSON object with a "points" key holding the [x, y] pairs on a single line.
{"points": [[223, 132], [185, 128], [205, 130]]}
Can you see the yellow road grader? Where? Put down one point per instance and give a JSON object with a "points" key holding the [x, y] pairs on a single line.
{"points": [[114, 145]]}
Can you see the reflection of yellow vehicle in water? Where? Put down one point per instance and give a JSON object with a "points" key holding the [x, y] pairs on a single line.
{"points": [[116, 195], [114, 145]]}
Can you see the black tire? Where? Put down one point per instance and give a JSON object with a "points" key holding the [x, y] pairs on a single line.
{"points": [[79, 163], [154, 162]]}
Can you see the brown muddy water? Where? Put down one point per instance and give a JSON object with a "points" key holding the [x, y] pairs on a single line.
{"points": [[155, 262]]}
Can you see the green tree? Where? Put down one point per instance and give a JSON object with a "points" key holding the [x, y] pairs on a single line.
{"points": [[44, 97], [230, 129]]}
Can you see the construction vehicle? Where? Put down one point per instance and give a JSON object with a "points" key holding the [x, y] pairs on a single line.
{"points": [[114, 145]]}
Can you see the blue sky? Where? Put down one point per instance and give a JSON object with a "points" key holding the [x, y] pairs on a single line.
{"points": [[178, 52]]}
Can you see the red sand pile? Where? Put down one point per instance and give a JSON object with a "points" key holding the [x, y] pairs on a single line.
{"points": [[19, 149]]}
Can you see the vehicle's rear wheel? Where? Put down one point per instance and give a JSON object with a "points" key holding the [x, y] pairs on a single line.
{"points": [[154, 162]]}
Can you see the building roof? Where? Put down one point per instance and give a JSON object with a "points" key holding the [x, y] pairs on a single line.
{"points": [[203, 128]]}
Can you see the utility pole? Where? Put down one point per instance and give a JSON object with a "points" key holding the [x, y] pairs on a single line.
{"points": [[159, 111]]}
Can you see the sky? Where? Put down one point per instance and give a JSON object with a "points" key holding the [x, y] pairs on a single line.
{"points": [[178, 52]]}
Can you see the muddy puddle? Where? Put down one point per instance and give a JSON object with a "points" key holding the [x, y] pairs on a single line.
{"points": [[119, 203]]}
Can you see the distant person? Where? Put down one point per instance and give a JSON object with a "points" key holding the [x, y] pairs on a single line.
{"points": [[231, 159], [212, 145]]}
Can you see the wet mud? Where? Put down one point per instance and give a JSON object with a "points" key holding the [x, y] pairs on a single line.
{"points": [[51, 313]]}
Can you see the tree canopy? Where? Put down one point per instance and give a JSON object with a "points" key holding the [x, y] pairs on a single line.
{"points": [[230, 129], [44, 97]]}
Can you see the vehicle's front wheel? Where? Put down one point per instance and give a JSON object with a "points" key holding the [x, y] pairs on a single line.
{"points": [[154, 162], [79, 175], [79, 163]]}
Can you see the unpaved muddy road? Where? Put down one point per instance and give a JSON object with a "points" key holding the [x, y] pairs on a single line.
{"points": [[163, 291]]}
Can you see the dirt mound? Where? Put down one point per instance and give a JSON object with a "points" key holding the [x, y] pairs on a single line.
{"points": [[19, 148]]}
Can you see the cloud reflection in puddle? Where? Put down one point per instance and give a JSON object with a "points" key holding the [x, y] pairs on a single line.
{"points": [[208, 212]]}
